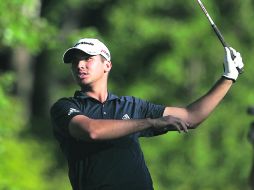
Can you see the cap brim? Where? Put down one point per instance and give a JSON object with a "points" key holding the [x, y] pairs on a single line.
{"points": [[71, 53]]}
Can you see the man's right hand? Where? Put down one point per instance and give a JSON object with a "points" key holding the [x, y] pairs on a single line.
{"points": [[170, 123]]}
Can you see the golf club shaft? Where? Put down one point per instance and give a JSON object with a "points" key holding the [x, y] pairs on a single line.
{"points": [[217, 31], [219, 35]]}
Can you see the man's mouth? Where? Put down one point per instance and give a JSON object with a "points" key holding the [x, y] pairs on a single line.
{"points": [[82, 75]]}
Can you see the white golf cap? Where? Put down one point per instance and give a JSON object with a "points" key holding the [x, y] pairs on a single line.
{"points": [[90, 46]]}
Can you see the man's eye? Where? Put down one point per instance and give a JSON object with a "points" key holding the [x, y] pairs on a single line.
{"points": [[89, 59], [74, 62]]}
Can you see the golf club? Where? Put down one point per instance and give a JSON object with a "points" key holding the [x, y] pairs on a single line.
{"points": [[217, 32]]}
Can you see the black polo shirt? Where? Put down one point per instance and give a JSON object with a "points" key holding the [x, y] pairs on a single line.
{"points": [[116, 164]]}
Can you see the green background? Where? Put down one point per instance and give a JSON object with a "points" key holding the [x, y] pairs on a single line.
{"points": [[163, 51]]}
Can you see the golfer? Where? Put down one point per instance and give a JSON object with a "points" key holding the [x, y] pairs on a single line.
{"points": [[99, 132]]}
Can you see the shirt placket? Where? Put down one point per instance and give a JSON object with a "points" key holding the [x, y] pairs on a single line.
{"points": [[104, 111]]}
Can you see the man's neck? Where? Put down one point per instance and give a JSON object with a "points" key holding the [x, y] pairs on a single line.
{"points": [[99, 94]]}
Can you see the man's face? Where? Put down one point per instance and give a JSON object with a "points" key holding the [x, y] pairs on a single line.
{"points": [[90, 69]]}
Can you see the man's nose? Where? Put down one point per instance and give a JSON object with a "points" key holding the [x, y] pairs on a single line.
{"points": [[81, 65]]}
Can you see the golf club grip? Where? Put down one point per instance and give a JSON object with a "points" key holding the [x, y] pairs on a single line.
{"points": [[225, 45], [219, 35], [221, 38]]}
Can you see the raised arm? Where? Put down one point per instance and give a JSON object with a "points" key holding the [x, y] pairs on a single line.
{"points": [[199, 110]]}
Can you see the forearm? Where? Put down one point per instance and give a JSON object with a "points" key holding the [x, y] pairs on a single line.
{"points": [[111, 129], [199, 110], [84, 128], [202, 108]]}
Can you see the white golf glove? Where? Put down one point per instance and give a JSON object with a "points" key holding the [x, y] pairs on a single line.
{"points": [[232, 67]]}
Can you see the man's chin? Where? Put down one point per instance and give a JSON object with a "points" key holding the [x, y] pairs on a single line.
{"points": [[84, 84], [83, 81]]}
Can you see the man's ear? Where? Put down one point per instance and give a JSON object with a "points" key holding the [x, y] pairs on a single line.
{"points": [[107, 66]]}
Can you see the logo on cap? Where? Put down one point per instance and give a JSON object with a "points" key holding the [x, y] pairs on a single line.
{"points": [[87, 45]]}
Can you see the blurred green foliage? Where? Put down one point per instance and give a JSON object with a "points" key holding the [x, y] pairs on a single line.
{"points": [[25, 163], [162, 51]]}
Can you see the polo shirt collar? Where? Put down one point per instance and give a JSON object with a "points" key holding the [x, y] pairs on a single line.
{"points": [[82, 95]]}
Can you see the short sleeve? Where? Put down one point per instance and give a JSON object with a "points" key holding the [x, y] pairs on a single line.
{"points": [[151, 110], [61, 113]]}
